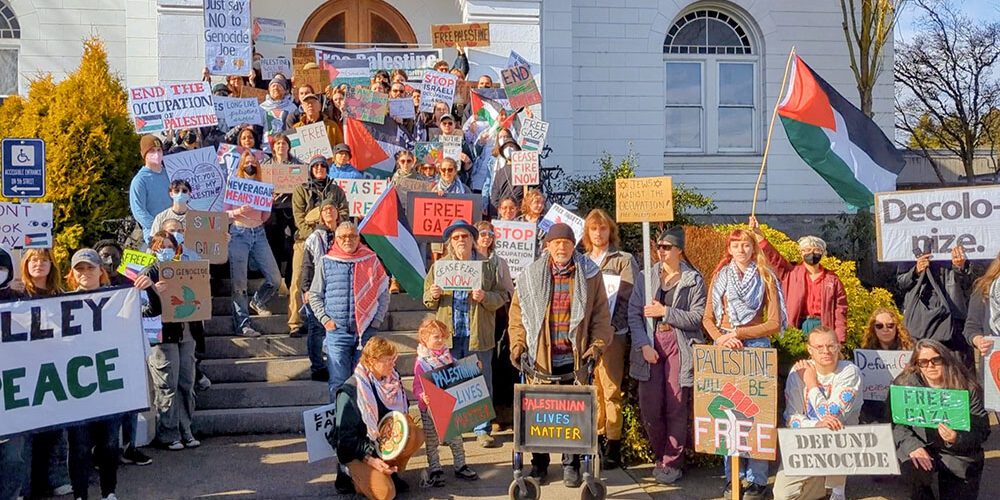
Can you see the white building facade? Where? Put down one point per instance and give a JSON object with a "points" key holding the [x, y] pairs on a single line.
{"points": [[687, 85]]}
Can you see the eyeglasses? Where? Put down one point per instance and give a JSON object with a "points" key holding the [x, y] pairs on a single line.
{"points": [[664, 246], [406, 160], [460, 236], [486, 233], [935, 361], [825, 347], [879, 326], [448, 170]]}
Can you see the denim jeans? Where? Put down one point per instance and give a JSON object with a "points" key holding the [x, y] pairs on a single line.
{"points": [[171, 368], [342, 354], [101, 436], [459, 350], [13, 467], [249, 246], [45, 455], [314, 341]]}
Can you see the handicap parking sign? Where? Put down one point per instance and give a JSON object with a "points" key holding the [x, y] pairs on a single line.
{"points": [[23, 169]]}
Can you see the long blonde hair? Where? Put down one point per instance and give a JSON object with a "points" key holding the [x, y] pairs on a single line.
{"points": [[53, 282], [241, 169], [598, 218], [903, 340]]}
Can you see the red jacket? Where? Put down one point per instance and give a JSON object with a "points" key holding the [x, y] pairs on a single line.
{"points": [[793, 282]]}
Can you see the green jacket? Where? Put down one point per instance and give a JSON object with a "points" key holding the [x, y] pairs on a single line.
{"points": [[482, 315]]}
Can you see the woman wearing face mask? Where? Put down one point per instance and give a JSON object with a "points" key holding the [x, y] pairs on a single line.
{"points": [[281, 220], [814, 296], [499, 183], [180, 193]]}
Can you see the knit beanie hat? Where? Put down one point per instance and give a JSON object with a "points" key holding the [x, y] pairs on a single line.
{"points": [[560, 231], [148, 142], [674, 236]]}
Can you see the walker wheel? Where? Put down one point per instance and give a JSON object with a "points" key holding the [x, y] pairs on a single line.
{"points": [[532, 491], [599, 487]]}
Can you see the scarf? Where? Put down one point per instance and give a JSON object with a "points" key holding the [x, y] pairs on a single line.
{"points": [[430, 359], [370, 282], [994, 303], [390, 393], [744, 296], [456, 186]]}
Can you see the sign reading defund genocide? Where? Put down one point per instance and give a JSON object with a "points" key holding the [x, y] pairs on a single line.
{"points": [[176, 106], [928, 407], [736, 401], [555, 418], [463, 275], [853, 450], [643, 199], [914, 223], [70, 358], [878, 369], [458, 397]]}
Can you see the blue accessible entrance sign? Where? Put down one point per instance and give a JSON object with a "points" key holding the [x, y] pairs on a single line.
{"points": [[23, 174]]}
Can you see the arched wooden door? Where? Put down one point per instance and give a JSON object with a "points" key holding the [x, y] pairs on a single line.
{"points": [[358, 23]]}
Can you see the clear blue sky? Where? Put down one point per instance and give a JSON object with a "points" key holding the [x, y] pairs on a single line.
{"points": [[976, 9]]}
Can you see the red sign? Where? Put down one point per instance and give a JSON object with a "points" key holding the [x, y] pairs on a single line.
{"points": [[430, 214]]}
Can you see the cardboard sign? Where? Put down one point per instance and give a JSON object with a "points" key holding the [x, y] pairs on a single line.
{"points": [[878, 370], [270, 66], [257, 195], [463, 89], [181, 105], [318, 79], [203, 171], [206, 233], [427, 152], [268, 31], [318, 422], [366, 105], [188, 296], [285, 177], [991, 380], [413, 61], [461, 275], [437, 86], [429, 214], [71, 358], [555, 418], [135, 261], [736, 401], [531, 136], [522, 91], [928, 407], [402, 108], [362, 194], [855, 450], [524, 166], [612, 283], [464, 35], [25, 225], [228, 42], [514, 242], [515, 59], [310, 140], [451, 147], [233, 111], [644, 199], [247, 91], [913, 223], [459, 399], [302, 56], [557, 214]]}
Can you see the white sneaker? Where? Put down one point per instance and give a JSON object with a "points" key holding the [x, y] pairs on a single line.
{"points": [[111, 497], [65, 489], [175, 446]]}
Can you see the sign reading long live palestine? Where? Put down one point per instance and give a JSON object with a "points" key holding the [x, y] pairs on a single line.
{"points": [[928, 407], [851, 451], [644, 199]]}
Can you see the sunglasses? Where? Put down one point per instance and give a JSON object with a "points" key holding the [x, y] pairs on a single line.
{"points": [[407, 160], [935, 361], [664, 246], [449, 170], [486, 233], [879, 326]]}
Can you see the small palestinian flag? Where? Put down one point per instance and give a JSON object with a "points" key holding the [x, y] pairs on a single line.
{"points": [[374, 146], [37, 240], [487, 105], [388, 233], [836, 139]]}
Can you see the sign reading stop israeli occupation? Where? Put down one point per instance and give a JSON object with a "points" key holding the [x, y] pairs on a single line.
{"points": [[70, 358], [878, 370], [515, 243], [853, 450], [176, 106], [459, 399], [228, 42], [644, 199], [459, 275], [928, 407], [736, 401], [524, 168], [437, 86], [933, 221]]}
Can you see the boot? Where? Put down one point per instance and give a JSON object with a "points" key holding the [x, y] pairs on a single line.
{"points": [[612, 455]]}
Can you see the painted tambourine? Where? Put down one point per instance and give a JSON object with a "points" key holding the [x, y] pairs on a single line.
{"points": [[393, 433]]}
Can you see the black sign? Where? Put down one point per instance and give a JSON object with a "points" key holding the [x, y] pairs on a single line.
{"points": [[555, 418]]}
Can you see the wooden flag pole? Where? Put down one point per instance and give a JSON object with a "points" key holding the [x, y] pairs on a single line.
{"points": [[770, 130], [737, 486]]}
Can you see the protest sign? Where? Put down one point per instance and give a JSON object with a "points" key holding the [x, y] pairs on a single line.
{"points": [[878, 370], [188, 296], [437, 86], [247, 91], [524, 168], [302, 56], [644, 199], [991, 380], [404, 185], [612, 282], [181, 105], [402, 108], [515, 59], [736, 401], [270, 66], [203, 171], [928, 407], [366, 105], [284, 176], [350, 72], [413, 61], [25, 225], [206, 233], [228, 39], [268, 31], [427, 152], [233, 111], [933, 221], [555, 418], [461, 275], [522, 91], [514, 242], [135, 261], [362, 194], [459, 399], [451, 146], [317, 422], [429, 214], [317, 78], [257, 195], [557, 214], [310, 140], [531, 135], [855, 450], [228, 156], [464, 35], [71, 358]]}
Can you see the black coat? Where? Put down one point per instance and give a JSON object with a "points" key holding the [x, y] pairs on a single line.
{"points": [[935, 305], [350, 435], [172, 332]]}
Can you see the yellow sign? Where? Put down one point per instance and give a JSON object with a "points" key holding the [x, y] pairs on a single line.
{"points": [[644, 199]]}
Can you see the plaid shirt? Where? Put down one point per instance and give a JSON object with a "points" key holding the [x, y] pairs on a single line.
{"points": [[460, 313], [559, 312]]}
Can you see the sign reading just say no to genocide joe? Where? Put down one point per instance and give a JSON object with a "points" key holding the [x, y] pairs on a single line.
{"points": [[459, 400], [928, 407], [228, 43]]}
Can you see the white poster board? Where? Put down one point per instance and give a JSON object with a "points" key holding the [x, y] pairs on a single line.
{"points": [[174, 106], [557, 214], [612, 283], [362, 194], [233, 111], [524, 167], [459, 275], [310, 140], [202, 170], [437, 86], [451, 147], [531, 136], [270, 66], [25, 225], [227, 37], [855, 450], [402, 108], [257, 195], [317, 422], [514, 242], [878, 369]]}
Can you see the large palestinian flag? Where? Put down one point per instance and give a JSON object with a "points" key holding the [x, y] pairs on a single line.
{"points": [[374, 146], [836, 139], [386, 231]]}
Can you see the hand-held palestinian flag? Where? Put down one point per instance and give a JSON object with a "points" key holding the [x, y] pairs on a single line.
{"points": [[486, 107], [836, 139], [387, 233], [374, 146]]}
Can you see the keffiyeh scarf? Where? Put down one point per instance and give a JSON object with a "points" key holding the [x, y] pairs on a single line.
{"points": [[430, 359], [744, 296], [389, 390], [370, 282]]}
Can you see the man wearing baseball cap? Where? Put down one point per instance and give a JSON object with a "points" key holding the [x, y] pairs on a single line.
{"points": [[312, 112]]}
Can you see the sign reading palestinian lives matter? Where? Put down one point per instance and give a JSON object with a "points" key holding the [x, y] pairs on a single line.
{"points": [[233, 111], [928, 407], [366, 105], [524, 168], [991, 380], [310, 140], [914, 223], [228, 156], [270, 66], [429, 214], [557, 214], [555, 419], [464, 35], [451, 146], [878, 370], [317, 422], [522, 91], [460, 275], [228, 42], [459, 399], [257, 195], [736, 401], [176, 106], [71, 358], [206, 233], [531, 136], [25, 225], [413, 61], [427, 152], [437, 86], [284, 176], [362, 194], [134, 261], [514, 242], [350, 72], [867, 450], [644, 199], [402, 108], [269, 30], [188, 296], [203, 171]]}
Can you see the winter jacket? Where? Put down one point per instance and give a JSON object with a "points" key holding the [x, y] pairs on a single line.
{"points": [[684, 316], [345, 171], [619, 263], [935, 305], [793, 283], [482, 315], [334, 132], [316, 247], [172, 332], [978, 322], [350, 435], [332, 295], [308, 196]]}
